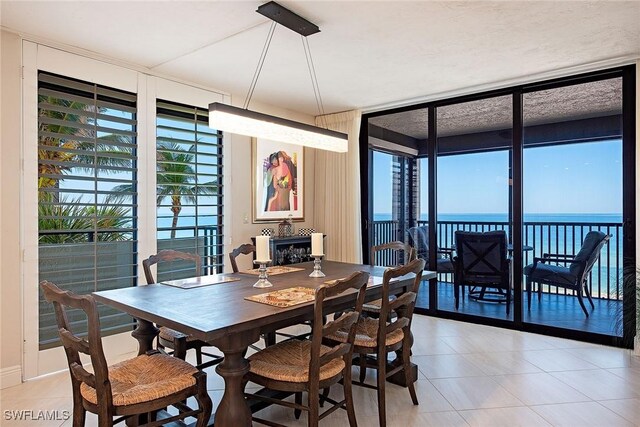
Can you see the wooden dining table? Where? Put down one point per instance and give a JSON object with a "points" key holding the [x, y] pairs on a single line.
{"points": [[219, 314]]}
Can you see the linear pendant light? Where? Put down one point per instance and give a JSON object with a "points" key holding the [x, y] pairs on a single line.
{"points": [[251, 123]]}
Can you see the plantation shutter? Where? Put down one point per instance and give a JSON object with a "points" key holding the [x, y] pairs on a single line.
{"points": [[87, 212], [189, 188]]}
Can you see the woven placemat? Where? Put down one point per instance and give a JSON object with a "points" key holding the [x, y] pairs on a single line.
{"points": [[275, 269], [197, 282], [285, 297]]}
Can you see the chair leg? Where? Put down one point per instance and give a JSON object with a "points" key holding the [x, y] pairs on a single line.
{"points": [[324, 395], [348, 396], [456, 295], [203, 399], [382, 380], [579, 295], [363, 367], [198, 355], [528, 286], [269, 338], [314, 407], [406, 366], [298, 400], [508, 301], [79, 413], [588, 293]]}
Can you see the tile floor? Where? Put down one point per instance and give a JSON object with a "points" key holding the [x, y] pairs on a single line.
{"points": [[469, 375]]}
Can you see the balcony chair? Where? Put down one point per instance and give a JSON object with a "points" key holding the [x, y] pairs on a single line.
{"points": [[482, 261], [419, 240], [379, 337], [146, 384], [309, 365], [400, 251], [573, 277], [169, 338]]}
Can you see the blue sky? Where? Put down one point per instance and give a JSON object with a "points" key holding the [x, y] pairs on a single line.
{"points": [[573, 178]]}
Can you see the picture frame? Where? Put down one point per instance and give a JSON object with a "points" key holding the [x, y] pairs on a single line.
{"points": [[277, 176]]}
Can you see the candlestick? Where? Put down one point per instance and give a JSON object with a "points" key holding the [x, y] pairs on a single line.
{"points": [[317, 272], [317, 247], [262, 248], [263, 278]]}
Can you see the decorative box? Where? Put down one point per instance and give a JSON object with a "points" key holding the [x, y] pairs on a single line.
{"points": [[306, 231], [267, 232]]}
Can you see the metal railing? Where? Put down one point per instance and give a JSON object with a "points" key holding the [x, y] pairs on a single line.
{"points": [[605, 281]]}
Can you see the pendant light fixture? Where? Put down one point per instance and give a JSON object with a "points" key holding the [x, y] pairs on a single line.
{"points": [[251, 123]]}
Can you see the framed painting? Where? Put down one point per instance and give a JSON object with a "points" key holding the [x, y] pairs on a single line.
{"points": [[278, 181]]}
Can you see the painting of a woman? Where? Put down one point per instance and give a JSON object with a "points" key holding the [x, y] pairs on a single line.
{"points": [[278, 180]]}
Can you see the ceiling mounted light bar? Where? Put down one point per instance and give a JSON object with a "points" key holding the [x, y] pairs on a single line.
{"points": [[246, 122], [251, 123]]}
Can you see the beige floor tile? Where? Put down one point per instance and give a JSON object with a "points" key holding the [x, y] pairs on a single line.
{"points": [[424, 419], [50, 386], [631, 375], [599, 384], [626, 408], [580, 414], [501, 363], [604, 357], [474, 393], [447, 366], [539, 389], [507, 417], [427, 346], [556, 360]]}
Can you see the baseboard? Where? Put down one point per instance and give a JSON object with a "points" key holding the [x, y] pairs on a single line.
{"points": [[10, 376]]}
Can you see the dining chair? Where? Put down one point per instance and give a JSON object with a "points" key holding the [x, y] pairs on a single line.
{"points": [[170, 338], [396, 251], [245, 249], [379, 337], [482, 261], [143, 385], [309, 365], [546, 270]]}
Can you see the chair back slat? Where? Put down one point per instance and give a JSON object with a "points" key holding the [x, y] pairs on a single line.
{"points": [[356, 281], [419, 240], [82, 374], [404, 304], [482, 258], [396, 247], [245, 249], [169, 255], [74, 345]]}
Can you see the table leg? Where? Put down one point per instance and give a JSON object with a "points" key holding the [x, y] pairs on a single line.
{"points": [[233, 409], [145, 333]]}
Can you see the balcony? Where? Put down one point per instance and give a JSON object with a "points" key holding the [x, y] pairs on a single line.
{"points": [[558, 306]]}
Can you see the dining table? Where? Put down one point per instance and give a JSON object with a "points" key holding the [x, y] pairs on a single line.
{"points": [[220, 315]]}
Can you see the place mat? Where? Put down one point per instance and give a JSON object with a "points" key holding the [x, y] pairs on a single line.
{"points": [[274, 269], [285, 297], [373, 280], [197, 282]]}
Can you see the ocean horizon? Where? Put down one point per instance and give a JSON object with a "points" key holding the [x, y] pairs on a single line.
{"points": [[503, 217]]}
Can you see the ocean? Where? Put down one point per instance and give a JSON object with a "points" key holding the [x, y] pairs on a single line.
{"points": [[496, 217]]}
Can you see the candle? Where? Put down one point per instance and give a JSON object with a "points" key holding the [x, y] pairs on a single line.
{"points": [[316, 244], [262, 248]]}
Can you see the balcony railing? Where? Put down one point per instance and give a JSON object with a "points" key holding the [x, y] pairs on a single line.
{"points": [[605, 280]]}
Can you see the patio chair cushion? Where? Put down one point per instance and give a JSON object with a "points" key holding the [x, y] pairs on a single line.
{"points": [[444, 265], [589, 245], [145, 378], [419, 239], [289, 361], [550, 273], [376, 306]]}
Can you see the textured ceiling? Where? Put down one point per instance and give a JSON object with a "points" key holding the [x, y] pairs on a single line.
{"points": [[574, 102], [368, 53]]}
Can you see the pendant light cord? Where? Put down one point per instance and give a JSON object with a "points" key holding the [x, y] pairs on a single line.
{"points": [[314, 79], [263, 56]]}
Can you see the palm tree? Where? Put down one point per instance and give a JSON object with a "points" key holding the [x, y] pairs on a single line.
{"points": [[175, 179]]}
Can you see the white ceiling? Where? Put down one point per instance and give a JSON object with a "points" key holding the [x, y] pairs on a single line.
{"points": [[368, 53]]}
